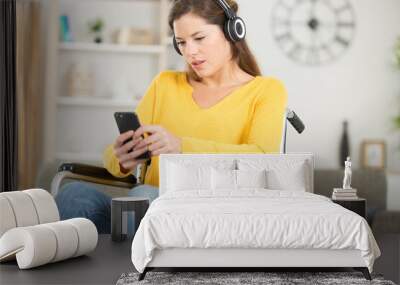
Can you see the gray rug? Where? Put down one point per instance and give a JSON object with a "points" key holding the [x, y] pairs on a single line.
{"points": [[273, 278]]}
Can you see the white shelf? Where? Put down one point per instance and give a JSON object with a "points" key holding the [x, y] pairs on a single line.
{"points": [[148, 60], [95, 102], [80, 157], [108, 47]]}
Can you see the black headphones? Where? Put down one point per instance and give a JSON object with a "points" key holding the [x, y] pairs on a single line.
{"points": [[234, 27]]}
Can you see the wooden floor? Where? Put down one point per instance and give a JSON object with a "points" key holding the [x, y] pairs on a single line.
{"points": [[110, 260], [102, 266], [389, 262]]}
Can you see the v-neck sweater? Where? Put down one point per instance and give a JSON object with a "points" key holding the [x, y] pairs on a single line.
{"points": [[248, 120]]}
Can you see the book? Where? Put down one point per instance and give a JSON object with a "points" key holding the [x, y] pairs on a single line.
{"points": [[65, 33], [345, 194], [347, 198], [344, 190], [340, 197]]}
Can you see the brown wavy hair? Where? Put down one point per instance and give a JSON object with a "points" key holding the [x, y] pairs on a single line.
{"points": [[211, 12]]}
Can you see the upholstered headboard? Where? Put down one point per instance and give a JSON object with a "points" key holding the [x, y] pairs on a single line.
{"points": [[232, 161]]}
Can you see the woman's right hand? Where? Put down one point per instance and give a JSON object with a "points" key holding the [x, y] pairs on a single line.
{"points": [[127, 160]]}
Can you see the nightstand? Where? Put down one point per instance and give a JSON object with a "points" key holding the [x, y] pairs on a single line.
{"points": [[120, 208], [358, 206]]}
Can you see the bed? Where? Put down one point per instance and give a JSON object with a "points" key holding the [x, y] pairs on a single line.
{"points": [[247, 210]]}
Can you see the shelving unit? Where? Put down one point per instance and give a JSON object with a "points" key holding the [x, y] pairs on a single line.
{"points": [[81, 47], [94, 158], [94, 102], [78, 128]]}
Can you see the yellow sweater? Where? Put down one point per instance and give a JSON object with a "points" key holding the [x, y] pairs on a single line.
{"points": [[249, 120]]}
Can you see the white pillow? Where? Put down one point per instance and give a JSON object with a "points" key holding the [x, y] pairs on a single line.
{"points": [[236, 179], [291, 178], [281, 174], [183, 177], [251, 178], [223, 179]]}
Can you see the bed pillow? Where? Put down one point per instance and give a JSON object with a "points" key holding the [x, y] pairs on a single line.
{"points": [[251, 178], [223, 179], [288, 178], [280, 174], [236, 179], [185, 177]]}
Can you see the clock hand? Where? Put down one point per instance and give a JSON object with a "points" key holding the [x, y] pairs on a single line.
{"points": [[312, 9], [299, 23], [313, 56]]}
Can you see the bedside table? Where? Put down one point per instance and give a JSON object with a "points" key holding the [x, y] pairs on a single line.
{"points": [[358, 206], [119, 208]]}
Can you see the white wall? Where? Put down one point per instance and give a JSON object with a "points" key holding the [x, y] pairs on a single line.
{"points": [[362, 86]]}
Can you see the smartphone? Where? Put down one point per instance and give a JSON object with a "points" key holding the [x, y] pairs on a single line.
{"points": [[129, 121]]}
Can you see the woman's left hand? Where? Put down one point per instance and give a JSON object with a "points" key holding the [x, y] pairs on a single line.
{"points": [[158, 141]]}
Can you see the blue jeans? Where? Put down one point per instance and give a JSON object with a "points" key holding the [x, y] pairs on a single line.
{"points": [[78, 199]]}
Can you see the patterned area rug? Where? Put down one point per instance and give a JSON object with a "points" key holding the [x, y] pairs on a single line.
{"points": [[270, 278]]}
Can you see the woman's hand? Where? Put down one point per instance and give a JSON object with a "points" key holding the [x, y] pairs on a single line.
{"points": [[158, 141], [127, 160]]}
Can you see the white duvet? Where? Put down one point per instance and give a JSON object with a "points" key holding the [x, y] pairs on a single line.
{"points": [[252, 218]]}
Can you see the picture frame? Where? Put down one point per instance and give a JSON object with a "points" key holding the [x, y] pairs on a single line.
{"points": [[373, 154]]}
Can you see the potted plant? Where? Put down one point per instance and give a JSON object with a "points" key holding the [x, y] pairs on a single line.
{"points": [[96, 27]]}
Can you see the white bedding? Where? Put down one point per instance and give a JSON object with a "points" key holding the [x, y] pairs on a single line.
{"points": [[251, 218]]}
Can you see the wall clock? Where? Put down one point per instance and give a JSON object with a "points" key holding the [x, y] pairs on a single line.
{"points": [[313, 32]]}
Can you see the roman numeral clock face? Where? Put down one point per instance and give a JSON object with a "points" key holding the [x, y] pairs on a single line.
{"points": [[313, 32]]}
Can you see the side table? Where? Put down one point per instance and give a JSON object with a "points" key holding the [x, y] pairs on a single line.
{"points": [[119, 206], [358, 206]]}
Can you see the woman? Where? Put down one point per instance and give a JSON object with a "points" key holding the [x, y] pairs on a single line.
{"points": [[221, 104]]}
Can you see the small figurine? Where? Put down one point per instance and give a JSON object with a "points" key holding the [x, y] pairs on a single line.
{"points": [[347, 174]]}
